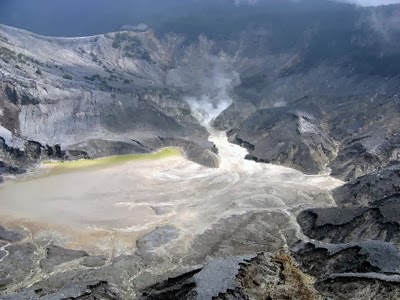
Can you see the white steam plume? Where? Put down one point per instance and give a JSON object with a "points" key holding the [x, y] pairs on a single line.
{"points": [[208, 106]]}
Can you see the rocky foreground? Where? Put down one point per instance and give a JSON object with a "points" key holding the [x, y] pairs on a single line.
{"points": [[299, 105]]}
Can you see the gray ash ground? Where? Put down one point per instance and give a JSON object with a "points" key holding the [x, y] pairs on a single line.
{"points": [[129, 244], [174, 229]]}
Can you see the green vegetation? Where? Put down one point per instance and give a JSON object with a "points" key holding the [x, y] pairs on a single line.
{"points": [[67, 76], [93, 77], [12, 94], [25, 100], [132, 46], [101, 80], [94, 57], [27, 60], [15, 99], [107, 70], [7, 55], [112, 77], [119, 39], [3, 38]]}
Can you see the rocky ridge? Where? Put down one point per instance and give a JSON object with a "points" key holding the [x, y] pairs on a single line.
{"points": [[124, 93]]}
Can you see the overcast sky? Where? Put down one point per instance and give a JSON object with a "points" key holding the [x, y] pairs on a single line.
{"points": [[87, 17], [357, 2], [371, 2]]}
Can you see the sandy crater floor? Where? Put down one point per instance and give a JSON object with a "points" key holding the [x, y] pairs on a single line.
{"points": [[114, 205]]}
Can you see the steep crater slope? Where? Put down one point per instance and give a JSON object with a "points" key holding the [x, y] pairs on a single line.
{"points": [[294, 101], [92, 97], [326, 101], [349, 136], [135, 87]]}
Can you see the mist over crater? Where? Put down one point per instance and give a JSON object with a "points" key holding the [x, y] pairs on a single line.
{"points": [[226, 149]]}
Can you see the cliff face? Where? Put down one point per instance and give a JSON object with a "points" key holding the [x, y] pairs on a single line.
{"points": [[112, 88], [348, 136], [308, 94], [140, 85]]}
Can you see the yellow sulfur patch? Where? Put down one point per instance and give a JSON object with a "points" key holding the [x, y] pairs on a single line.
{"points": [[62, 167]]}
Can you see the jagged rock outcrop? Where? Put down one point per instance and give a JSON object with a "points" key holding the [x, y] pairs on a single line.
{"points": [[317, 134], [15, 160], [85, 291], [132, 85], [358, 248], [56, 256], [294, 99], [368, 209], [343, 225], [108, 97], [368, 270], [368, 189], [259, 277], [294, 137], [10, 235]]}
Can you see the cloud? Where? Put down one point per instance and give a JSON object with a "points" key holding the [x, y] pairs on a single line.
{"points": [[370, 2], [356, 2], [249, 2], [384, 29]]}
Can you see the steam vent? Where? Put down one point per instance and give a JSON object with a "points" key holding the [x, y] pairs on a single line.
{"points": [[200, 150]]}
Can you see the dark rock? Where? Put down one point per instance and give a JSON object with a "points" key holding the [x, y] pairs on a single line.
{"points": [[216, 277], [317, 133], [76, 281], [10, 235], [11, 94], [352, 287], [102, 148], [202, 154], [344, 225], [93, 261], [157, 238], [85, 291], [162, 210], [4, 282], [293, 137], [18, 161], [389, 207], [371, 266], [252, 232], [21, 259], [369, 188], [254, 277], [339, 111], [56, 256], [26, 100], [322, 259], [176, 288], [7, 169]]}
